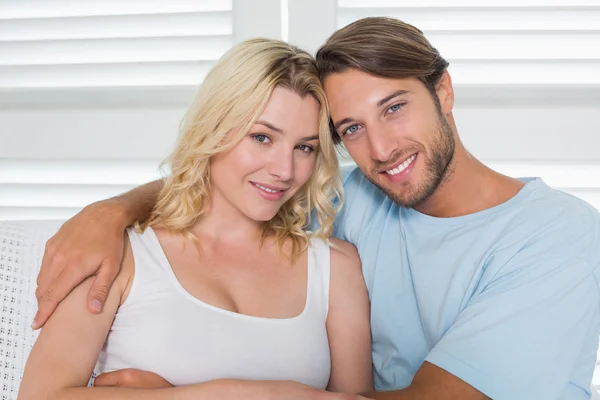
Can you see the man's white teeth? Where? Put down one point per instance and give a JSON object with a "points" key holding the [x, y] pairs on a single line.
{"points": [[267, 189], [402, 166]]}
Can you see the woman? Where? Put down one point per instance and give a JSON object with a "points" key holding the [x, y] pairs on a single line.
{"points": [[222, 282]]}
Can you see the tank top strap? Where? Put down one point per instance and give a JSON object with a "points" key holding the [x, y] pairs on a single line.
{"points": [[147, 250], [151, 267]]}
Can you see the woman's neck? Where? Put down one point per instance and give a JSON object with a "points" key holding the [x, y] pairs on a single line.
{"points": [[223, 222]]}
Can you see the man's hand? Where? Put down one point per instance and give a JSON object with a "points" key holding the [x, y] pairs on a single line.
{"points": [[132, 378], [90, 243]]}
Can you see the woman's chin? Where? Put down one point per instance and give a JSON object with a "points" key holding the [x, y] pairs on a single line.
{"points": [[262, 216]]}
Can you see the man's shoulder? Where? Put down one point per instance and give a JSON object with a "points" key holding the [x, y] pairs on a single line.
{"points": [[557, 223], [357, 187], [557, 210]]}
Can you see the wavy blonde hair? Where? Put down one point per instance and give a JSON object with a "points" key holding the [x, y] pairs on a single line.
{"points": [[229, 101]]}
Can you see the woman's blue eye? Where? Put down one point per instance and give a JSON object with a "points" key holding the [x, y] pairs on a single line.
{"points": [[306, 148], [261, 138]]}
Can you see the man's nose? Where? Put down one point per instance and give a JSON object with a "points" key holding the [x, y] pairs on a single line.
{"points": [[381, 144]]}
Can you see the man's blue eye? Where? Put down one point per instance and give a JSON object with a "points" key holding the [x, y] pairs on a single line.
{"points": [[395, 107], [351, 129]]}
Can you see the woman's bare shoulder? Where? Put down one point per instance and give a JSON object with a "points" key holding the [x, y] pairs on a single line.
{"points": [[344, 254]]}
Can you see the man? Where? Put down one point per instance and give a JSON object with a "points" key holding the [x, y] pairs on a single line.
{"points": [[481, 285]]}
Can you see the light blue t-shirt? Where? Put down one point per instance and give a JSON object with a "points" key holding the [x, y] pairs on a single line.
{"points": [[506, 299]]}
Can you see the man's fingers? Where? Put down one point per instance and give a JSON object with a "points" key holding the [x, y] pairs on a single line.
{"points": [[46, 263], [102, 283], [108, 379], [57, 291], [53, 264], [132, 378]]}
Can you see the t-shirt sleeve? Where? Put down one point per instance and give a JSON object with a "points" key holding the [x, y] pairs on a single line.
{"points": [[524, 333], [345, 172]]}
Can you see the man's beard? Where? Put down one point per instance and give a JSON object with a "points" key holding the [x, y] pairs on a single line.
{"points": [[436, 168]]}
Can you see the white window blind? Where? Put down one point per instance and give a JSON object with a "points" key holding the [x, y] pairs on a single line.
{"points": [[57, 44], [91, 94]]}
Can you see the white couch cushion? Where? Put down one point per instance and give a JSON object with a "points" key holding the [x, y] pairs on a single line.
{"points": [[21, 249]]}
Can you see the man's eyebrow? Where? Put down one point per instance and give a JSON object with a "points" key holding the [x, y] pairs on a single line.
{"points": [[391, 96], [342, 122], [269, 125], [379, 104]]}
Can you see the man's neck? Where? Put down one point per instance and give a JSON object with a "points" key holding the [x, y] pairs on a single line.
{"points": [[469, 187]]}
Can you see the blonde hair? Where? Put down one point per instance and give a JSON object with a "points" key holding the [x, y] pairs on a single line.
{"points": [[229, 101]]}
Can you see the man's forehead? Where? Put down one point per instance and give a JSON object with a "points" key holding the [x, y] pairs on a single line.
{"points": [[344, 90], [353, 79]]}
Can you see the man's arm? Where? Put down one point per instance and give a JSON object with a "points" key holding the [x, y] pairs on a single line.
{"points": [[432, 382], [531, 329], [90, 243], [350, 340], [137, 204]]}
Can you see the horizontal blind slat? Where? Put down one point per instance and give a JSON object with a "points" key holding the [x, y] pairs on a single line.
{"points": [[57, 195], [466, 3], [82, 8], [484, 18], [114, 50], [128, 26], [134, 74], [37, 213], [75, 172], [517, 45]]}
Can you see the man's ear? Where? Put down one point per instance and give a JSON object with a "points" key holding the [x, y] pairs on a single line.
{"points": [[445, 93]]}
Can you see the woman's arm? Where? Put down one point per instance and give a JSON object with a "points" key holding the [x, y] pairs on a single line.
{"points": [[90, 244], [348, 324], [66, 350]]}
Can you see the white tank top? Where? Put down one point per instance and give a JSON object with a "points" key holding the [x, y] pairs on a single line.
{"points": [[163, 329]]}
